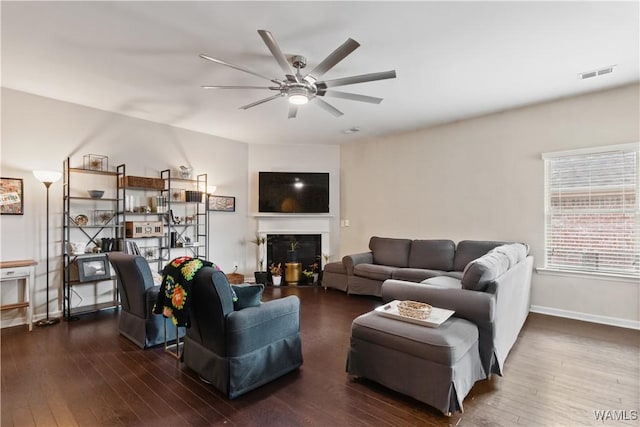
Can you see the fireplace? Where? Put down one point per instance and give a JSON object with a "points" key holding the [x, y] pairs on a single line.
{"points": [[298, 227], [308, 250]]}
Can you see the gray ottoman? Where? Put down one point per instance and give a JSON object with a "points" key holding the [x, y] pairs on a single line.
{"points": [[437, 366], [334, 275]]}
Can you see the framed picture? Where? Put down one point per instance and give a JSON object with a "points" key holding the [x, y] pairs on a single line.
{"points": [[11, 196], [222, 203], [93, 268]]}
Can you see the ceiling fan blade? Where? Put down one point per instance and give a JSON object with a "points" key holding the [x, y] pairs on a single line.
{"points": [[241, 87], [293, 111], [262, 101], [328, 107], [336, 56], [350, 96], [237, 67], [357, 79], [271, 43]]}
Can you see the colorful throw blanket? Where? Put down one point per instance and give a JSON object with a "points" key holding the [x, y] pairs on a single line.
{"points": [[173, 298]]}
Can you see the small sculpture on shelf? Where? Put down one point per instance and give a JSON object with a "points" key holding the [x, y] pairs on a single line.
{"points": [[185, 172], [96, 162]]}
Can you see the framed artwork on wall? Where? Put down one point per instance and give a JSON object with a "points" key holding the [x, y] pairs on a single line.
{"points": [[221, 203], [11, 196]]}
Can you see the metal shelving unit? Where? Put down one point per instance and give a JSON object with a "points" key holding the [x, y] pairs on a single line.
{"points": [[89, 232]]}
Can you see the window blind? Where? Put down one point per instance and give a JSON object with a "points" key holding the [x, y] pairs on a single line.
{"points": [[592, 211]]}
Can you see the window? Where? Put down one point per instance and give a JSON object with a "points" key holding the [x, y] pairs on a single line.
{"points": [[592, 213]]}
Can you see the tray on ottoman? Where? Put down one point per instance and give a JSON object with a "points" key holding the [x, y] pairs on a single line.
{"points": [[436, 318]]}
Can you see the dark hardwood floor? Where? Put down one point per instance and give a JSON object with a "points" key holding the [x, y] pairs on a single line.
{"points": [[84, 374]]}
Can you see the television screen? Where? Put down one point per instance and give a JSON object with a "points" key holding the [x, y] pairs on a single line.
{"points": [[293, 192]]}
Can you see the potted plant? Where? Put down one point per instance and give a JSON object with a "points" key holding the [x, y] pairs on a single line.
{"points": [[313, 272], [276, 274], [260, 275], [292, 253]]}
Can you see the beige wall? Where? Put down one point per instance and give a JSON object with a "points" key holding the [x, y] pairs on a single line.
{"points": [[483, 179]]}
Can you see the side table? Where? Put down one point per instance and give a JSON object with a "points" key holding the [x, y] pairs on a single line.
{"points": [[20, 270]]}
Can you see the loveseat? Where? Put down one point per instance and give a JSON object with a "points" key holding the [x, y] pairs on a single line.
{"points": [[486, 283]]}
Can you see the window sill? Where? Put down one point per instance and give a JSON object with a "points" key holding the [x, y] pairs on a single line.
{"points": [[589, 275]]}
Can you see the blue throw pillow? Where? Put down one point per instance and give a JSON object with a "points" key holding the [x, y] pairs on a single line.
{"points": [[248, 296]]}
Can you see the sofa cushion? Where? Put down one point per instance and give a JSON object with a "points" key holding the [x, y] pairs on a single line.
{"points": [[483, 270], [373, 271], [443, 282], [248, 296], [390, 252], [415, 274], [468, 250], [455, 274], [432, 254], [515, 252]]}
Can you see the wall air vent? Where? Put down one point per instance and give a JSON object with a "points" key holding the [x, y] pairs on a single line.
{"points": [[594, 73]]}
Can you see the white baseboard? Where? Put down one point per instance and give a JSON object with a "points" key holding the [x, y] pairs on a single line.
{"points": [[594, 318]]}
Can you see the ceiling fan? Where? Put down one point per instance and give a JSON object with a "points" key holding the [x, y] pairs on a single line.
{"points": [[301, 89]]}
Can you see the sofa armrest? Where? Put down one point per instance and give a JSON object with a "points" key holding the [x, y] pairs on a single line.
{"points": [[477, 307], [254, 327], [513, 293], [350, 261]]}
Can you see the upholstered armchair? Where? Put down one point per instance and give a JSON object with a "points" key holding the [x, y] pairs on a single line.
{"points": [[138, 294], [238, 350]]}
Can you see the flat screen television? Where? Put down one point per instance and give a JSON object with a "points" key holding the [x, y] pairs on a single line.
{"points": [[293, 192]]}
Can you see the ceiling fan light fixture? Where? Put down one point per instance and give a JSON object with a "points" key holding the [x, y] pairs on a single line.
{"points": [[298, 96]]}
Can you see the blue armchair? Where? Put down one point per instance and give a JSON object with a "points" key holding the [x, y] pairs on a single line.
{"points": [[239, 350], [138, 294]]}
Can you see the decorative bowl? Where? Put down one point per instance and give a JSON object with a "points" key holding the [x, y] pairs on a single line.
{"points": [[95, 194], [414, 309]]}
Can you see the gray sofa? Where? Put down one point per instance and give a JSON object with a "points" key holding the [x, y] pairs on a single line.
{"points": [[486, 283], [402, 259]]}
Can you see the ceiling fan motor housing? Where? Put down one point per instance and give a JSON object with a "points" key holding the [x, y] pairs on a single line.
{"points": [[298, 61]]}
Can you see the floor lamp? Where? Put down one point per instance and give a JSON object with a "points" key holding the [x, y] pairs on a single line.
{"points": [[47, 178]]}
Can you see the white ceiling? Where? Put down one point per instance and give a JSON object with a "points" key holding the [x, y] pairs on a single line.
{"points": [[453, 59]]}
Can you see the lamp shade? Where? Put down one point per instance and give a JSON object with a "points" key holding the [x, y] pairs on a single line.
{"points": [[47, 176]]}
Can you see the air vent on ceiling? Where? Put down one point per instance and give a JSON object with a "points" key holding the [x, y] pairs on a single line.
{"points": [[594, 73], [351, 130]]}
